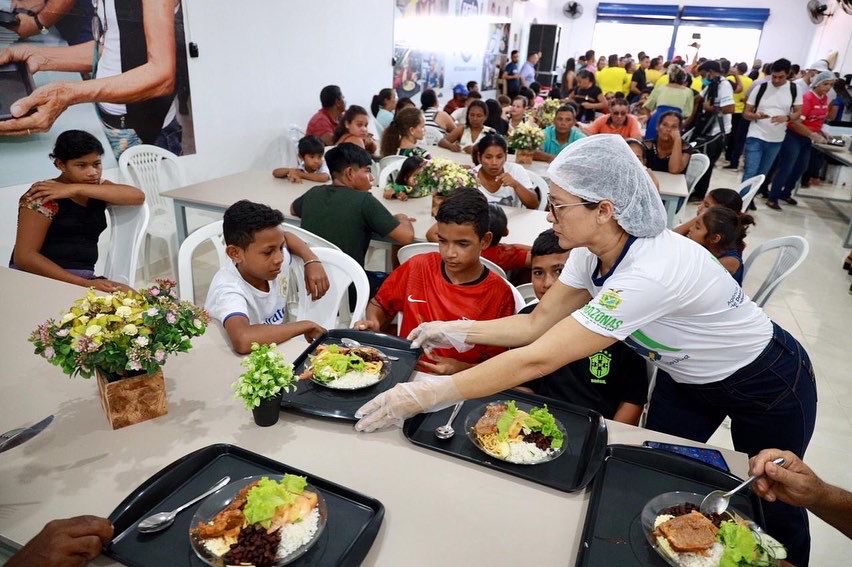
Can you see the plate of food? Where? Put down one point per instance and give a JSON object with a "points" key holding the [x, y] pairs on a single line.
{"points": [[516, 432], [265, 521], [684, 537], [344, 368]]}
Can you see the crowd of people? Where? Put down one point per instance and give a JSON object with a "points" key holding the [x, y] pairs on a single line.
{"points": [[612, 283]]}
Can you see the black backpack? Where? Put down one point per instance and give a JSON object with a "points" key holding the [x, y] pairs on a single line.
{"points": [[762, 89]]}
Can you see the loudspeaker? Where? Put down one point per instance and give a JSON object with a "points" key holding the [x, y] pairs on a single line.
{"points": [[544, 38]]}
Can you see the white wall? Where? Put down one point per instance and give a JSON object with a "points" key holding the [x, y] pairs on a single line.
{"points": [[260, 71], [787, 33], [834, 34]]}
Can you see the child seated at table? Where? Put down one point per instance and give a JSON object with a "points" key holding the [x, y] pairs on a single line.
{"points": [[345, 213], [60, 220], [722, 231], [353, 128], [720, 197], [404, 133], [249, 295], [508, 256], [446, 285], [311, 165], [613, 381], [402, 186], [639, 150]]}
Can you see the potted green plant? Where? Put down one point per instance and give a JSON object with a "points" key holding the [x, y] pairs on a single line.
{"points": [[123, 339], [264, 382]]}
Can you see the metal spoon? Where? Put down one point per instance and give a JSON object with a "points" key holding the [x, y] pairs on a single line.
{"points": [[162, 520], [352, 343], [718, 501], [447, 431]]}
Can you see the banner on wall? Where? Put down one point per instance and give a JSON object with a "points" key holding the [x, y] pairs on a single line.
{"points": [[106, 38]]}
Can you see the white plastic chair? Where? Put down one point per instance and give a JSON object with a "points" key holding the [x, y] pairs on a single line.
{"points": [[749, 188], [311, 239], [792, 251], [406, 252], [432, 136], [388, 160], [128, 226], [527, 292], [695, 169], [212, 232], [342, 271], [540, 183], [520, 302], [390, 169], [155, 170]]}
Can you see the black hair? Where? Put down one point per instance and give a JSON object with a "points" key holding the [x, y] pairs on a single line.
{"points": [[780, 65], [727, 198], [494, 118], [428, 99], [497, 223], [409, 166], [731, 227], [794, 69], [571, 64], [514, 51], [725, 65], [618, 95], [742, 67], [402, 122], [351, 113], [379, 100], [474, 95], [243, 219], [471, 84], [73, 144], [654, 62], [638, 144], [346, 155], [546, 243], [310, 145], [590, 54], [491, 139], [586, 74], [465, 205], [403, 102], [554, 94], [668, 113], [535, 87], [613, 60], [329, 95], [528, 93], [619, 101], [476, 104], [524, 99]]}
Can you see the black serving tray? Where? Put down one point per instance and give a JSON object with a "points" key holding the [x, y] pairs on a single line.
{"points": [[586, 441], [16, 82], [312, 399], [353, 519], [629, 478]]}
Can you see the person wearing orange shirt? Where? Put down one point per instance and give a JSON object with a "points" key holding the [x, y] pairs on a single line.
{"points": [[618, 121]]}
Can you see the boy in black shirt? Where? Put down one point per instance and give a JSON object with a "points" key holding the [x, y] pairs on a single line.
{"points": [[613, 381]]}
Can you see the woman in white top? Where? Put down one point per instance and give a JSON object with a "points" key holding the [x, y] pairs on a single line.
{"points": [[501, 181], [435, 117], [464, 138], [628, 278], [517, 112], [383, 106]]}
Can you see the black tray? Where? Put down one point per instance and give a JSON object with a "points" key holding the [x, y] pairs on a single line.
{"points": [[312, 399], [572, 470], [16, 82], [353, 519], [629, 478]]}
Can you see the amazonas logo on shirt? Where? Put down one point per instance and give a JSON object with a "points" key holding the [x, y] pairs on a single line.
{"points": [[610, 299], [601, 318]]}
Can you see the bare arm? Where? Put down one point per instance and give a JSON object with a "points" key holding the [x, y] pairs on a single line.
{"points": [[107, 191], [683, 229], [540, 155], [404, 232], [730, 263], [432, 233], [445, 121], [317, 176], [327, 138], [451, 139], [679, 158], [32, 230], [375, 320], [243, 334], [628, 413]]}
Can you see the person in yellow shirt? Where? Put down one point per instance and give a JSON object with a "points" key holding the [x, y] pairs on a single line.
{"points": [[629, 69], [611, 78], [664, 80], [739, 126], [654, 72]]}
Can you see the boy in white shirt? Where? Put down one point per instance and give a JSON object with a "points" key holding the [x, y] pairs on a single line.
{"points": [[249, 297], [311, 165]]}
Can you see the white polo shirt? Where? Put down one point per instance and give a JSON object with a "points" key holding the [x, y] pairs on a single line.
{"points": [[231, 295], [776, 101]]}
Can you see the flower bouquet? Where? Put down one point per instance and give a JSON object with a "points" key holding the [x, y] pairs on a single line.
{"points": [[264, 382], [546, 113], [525, 139], [443, 175], [123, 338]]}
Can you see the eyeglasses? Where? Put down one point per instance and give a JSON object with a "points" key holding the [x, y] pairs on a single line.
{"points": [[552, 207], [618, 113], [99, 29]]}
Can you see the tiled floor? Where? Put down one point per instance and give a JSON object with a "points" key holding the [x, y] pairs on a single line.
{"points": [[814, 304]]}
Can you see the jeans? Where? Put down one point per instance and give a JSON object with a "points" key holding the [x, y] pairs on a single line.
{"points": [[169, 138], [771, 402], [736, 139], [793, 160], [759, 157]]}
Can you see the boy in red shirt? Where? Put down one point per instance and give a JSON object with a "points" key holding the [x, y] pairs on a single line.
{"points": [[446, 286]]}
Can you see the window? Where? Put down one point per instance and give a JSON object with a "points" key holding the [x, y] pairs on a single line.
{"points": [[631, 38], [735, 44]]}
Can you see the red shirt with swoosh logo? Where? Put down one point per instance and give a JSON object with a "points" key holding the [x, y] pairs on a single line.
{"points": [[421, 292]]}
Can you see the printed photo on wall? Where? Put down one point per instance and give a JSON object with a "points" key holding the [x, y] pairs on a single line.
{"points": [[498, 39], [491, 68], [416, 71], [409, 8], [467, 7], [135, 102], [502, 8]]}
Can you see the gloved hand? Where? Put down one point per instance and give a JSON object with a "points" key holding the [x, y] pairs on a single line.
{"points": [[391, 408], [441, 334]]}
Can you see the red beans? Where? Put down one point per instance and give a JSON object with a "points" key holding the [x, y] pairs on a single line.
{"points": [[254, 546]]}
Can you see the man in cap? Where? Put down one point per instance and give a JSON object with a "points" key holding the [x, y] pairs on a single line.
{"points": [[459, 98]]}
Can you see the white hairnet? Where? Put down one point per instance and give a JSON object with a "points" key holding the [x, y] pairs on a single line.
{"points": [[822, 77], [603, 167]]}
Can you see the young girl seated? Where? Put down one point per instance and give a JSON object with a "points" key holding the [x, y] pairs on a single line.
{"points": [[403, 133], [721, 197], [722, 231], [60, 220], [402, 186], [501, 181], [353, 129], [639, 150]]}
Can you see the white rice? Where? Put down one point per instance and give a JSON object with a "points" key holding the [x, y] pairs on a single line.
{"points": [[711, 559], [352, 380], [294, 536], [524, 453]]}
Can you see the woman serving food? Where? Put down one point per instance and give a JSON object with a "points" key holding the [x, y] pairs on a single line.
{"points": [[628, 278]]}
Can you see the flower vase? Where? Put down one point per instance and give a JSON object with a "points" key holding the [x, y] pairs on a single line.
{"points": [[266, 414], [131, 400], [524, 157]]}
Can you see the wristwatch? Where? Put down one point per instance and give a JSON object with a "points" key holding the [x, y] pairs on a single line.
{"points": [[41, 28]]}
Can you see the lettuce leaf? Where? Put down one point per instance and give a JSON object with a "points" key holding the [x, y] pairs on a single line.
{"points": [[505, 420], [739, 544], [541, 420], [263, 501], [331, 364]]}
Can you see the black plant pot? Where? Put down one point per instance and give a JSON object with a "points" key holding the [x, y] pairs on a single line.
{"points": [[268, 411]]}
